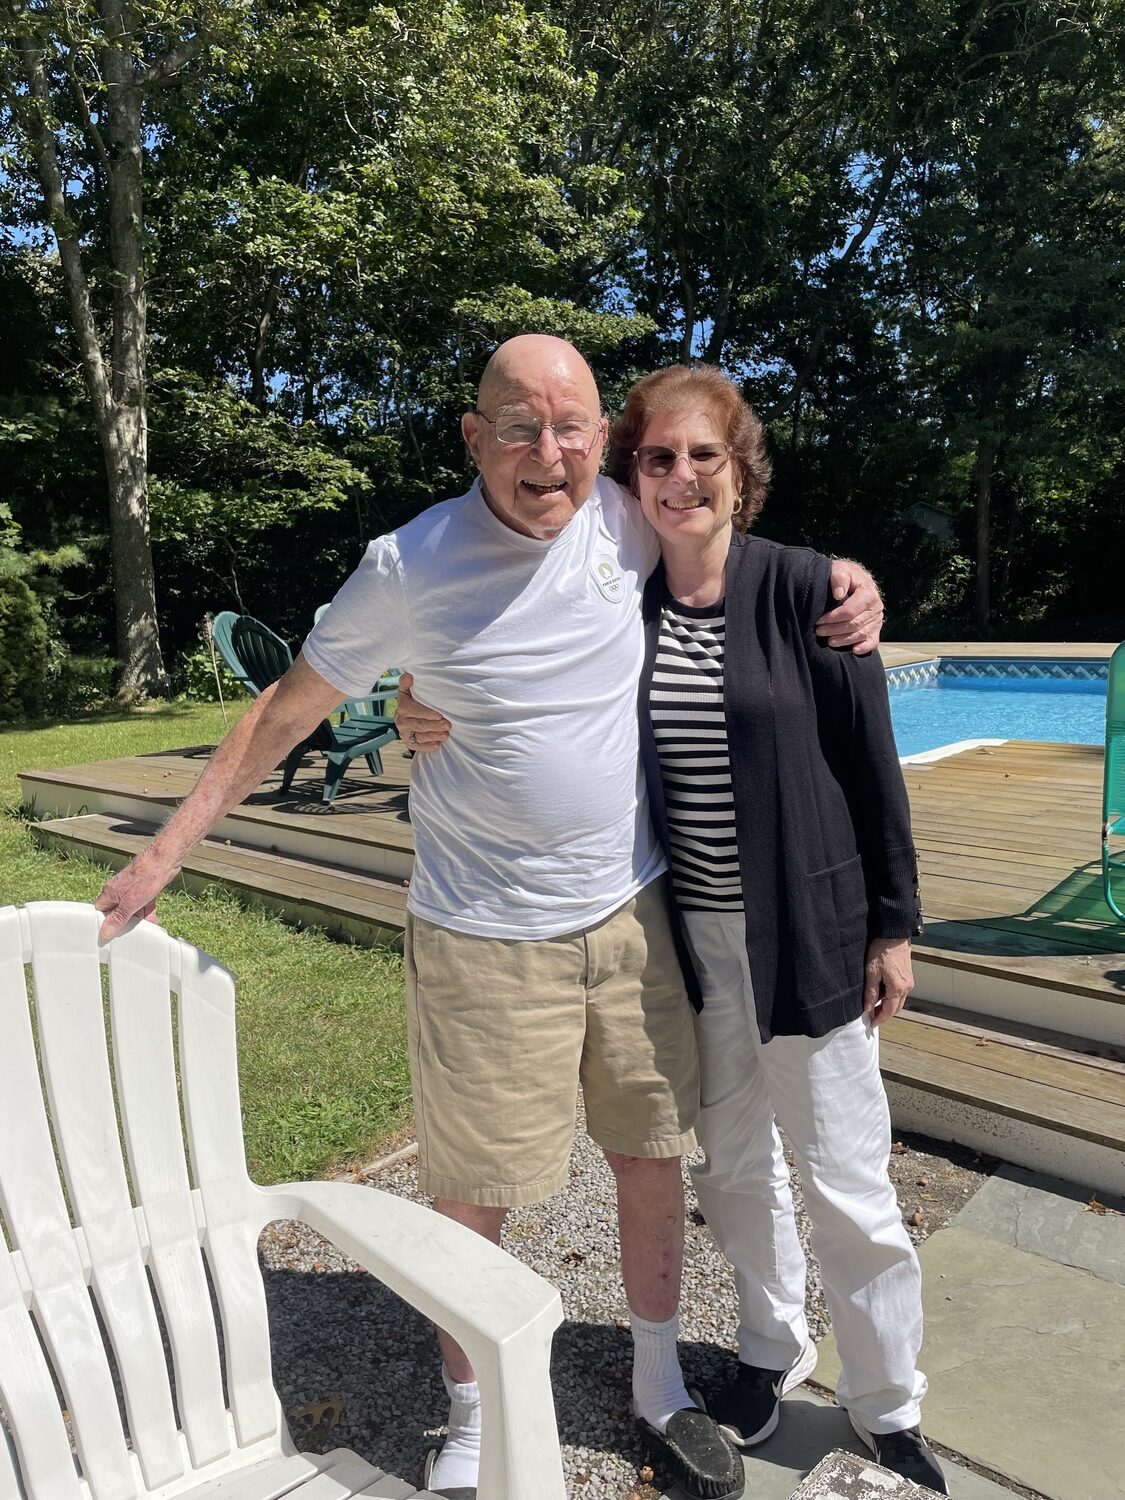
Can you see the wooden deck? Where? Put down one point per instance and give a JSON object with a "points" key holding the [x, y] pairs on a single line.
{"points": [[366, 829], [1008, 845]]}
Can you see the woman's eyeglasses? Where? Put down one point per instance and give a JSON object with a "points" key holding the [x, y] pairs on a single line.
{"points": [[704, 458]]}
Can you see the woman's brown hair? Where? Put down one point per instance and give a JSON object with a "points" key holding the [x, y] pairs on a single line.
{"points": [[695, 387]]}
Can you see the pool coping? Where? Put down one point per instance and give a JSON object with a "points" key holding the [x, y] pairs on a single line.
{"points": [[942, 752]]}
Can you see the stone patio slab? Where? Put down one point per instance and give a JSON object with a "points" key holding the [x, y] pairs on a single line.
{"points": [[1026, 1363], [1047, 1217]]}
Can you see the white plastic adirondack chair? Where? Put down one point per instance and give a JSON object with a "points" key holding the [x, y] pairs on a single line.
{"points": [[134, 1203]]}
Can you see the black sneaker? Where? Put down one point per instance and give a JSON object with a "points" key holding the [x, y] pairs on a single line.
{"points": [[748, 1410], [905, 1452]]}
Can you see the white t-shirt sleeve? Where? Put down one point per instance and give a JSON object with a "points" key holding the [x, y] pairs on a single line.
{"points": [[624, 517], [366, 628]]}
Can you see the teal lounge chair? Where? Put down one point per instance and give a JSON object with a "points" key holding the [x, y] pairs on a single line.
{"points": [[1113, 788], [258, 657], [375, 704]]}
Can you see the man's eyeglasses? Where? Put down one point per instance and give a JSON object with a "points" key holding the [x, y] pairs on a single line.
{"points": [[516, 431], [704, 458]]}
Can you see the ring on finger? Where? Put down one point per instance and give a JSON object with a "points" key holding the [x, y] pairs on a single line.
{"points": [[412, 738]]}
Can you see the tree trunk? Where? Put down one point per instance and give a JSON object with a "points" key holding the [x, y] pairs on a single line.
{"points": [[261, 337], [124, 445], [116, 386], [125, 439], [1009, 548], [982, 486]]}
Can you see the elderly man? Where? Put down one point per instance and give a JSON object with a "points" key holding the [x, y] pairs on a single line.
{"points": [[538, 949]]}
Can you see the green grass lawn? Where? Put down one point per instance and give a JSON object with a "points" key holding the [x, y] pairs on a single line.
{"points": [[322, 1037]]}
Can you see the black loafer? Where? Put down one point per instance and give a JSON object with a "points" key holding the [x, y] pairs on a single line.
{"points": [[462, 1492], [695, 1455]]}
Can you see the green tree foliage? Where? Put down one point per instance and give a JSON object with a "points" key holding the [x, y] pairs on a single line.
{"points": [[23, 650], [900, 227], [1003, 269]]}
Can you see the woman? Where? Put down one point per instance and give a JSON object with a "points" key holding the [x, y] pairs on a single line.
{"points": [[777, 792]]}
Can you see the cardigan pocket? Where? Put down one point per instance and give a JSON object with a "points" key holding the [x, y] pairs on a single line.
{"points": [[836, 940]]}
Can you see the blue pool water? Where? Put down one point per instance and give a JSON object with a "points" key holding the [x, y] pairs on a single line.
{"points": [[949, 708]]}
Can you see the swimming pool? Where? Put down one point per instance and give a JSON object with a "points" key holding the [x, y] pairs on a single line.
{"points": [[943, 701]]}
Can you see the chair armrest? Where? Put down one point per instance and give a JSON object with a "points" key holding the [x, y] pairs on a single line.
{"points": [[466, 1285], [370, 707], [502, 1315]]}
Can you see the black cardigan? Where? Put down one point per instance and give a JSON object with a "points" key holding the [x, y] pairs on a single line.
{"points": [[821, 814]]}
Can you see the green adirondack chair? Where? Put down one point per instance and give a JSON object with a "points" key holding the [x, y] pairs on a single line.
{"points": [[1113, 788], [258, 657], [379, 704]]}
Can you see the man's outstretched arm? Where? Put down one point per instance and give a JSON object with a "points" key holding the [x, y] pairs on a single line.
{"points": [[283, 716]]}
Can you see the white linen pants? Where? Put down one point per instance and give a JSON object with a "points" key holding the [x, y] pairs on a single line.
{"points": [[826, 1093]]}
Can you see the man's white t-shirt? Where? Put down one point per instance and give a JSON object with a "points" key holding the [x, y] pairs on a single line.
{"points": [[532, 820]]}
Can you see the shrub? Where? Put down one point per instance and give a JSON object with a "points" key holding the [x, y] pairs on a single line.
{"points": [[23, 650], [194, 678], [80, 685]]}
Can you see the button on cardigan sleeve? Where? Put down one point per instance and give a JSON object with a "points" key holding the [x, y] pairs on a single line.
{"points": [[854, 720]]}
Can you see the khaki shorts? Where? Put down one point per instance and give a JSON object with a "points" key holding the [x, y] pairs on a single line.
{"points": [[502, 1032]]}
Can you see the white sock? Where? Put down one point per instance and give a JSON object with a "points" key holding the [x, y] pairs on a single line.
{"points": [[458, 1462], [658, 1381]]}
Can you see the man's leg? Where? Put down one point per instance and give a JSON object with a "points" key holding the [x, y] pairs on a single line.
{"points": [[641, 1086], [650, 1212], [459, 1460], [495, 1031], [650, 1209], [487, 1222]]}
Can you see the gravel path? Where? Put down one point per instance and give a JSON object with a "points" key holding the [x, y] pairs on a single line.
{"points": [[343, 1337]]}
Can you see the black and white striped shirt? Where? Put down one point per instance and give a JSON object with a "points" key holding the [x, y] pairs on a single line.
{"points": [[686, 704]]}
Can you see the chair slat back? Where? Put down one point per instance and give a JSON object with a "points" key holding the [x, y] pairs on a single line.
{"points": [[209, 1074], [75, 1063], [145, 1066], [27, 1395], [38, 1225], [134, 1211], [255, 654]]}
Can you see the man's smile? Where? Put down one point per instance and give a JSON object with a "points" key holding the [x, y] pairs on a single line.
{"points": [[550, 487]]}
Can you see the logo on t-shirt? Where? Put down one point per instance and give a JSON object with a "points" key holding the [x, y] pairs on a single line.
{"points": [[608, 577]]}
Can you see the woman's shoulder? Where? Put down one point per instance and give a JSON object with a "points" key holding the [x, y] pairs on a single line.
{"points": [[794, 568]]}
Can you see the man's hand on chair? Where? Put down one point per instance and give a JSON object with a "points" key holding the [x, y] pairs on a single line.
{"points": [[133, 891]]}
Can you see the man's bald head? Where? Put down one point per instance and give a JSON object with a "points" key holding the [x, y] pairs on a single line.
{"points": [[531, 361], [535, 487]]}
